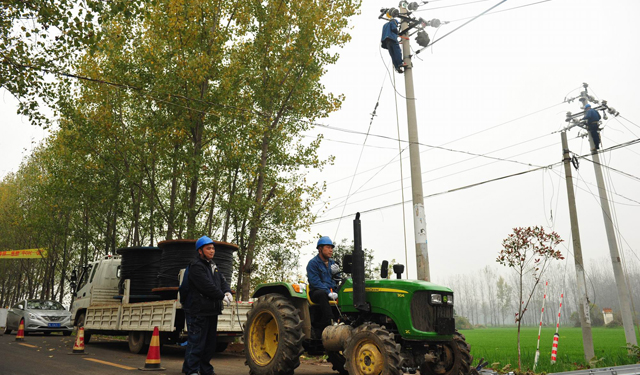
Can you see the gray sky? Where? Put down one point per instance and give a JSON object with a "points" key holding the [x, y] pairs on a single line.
{"points": [[474, 90], [498, 68]]}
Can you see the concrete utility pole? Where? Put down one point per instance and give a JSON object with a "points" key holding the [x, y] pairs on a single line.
{"points": [[624, 297], [419, 219], [585, 319], [618, 271]]}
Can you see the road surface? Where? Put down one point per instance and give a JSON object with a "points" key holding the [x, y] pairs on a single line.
{"points": [[40, 354]]}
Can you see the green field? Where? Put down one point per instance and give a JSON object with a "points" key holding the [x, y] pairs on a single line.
{"points": [[500, 345]]}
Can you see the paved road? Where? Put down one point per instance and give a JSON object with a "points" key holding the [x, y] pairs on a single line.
{"points": [[40, 354]]}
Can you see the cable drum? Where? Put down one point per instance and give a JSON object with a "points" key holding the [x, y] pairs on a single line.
{"points": [[224, 258], [176, 255], [140, 265]]}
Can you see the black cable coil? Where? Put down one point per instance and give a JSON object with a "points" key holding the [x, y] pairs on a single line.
{"points": [[140, 265], [176, 255]]}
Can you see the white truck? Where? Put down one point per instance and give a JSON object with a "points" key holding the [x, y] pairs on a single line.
{"points": [[99, 308]]}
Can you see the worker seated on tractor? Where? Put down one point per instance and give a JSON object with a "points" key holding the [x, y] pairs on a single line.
{"points": [[322, 287]]}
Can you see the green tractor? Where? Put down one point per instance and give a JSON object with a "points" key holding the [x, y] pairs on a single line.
{"points": [[382, 327]]}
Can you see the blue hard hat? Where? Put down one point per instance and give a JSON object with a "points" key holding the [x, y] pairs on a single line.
{"points": [[325, 240], [587, 106], [204, 240]]}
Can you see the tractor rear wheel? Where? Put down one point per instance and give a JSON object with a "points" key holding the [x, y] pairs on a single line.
{"points": [[455, 358], [273, 336], [372, 350]]}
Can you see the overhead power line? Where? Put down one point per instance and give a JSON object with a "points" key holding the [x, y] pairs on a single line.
{"points": [[625, 144], [503, 10]]}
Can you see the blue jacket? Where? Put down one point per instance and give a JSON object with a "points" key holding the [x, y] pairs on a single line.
{"points": [[389, 31], [592, 116], [319, 275]]}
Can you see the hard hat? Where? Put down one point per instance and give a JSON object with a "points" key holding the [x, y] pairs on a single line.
{"points": [[587, 106], [202, 241], [325, 240]]}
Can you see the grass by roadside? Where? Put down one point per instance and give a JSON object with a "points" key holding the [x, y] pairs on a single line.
{"points": [[499, 345]]}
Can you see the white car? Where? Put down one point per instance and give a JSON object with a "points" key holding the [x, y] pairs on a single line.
{"points": [[39, 316]]}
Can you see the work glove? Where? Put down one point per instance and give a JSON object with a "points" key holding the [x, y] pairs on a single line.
{"points": [[335, 269], [228, 298], [333, 296]]}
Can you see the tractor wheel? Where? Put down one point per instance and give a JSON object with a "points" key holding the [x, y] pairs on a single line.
{"points": [[454, 360], [371, 350], [273, 336], [337, 361]]}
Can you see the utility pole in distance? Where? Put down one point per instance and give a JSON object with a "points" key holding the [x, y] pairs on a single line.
{"points": [[624, 297], [585, 319], [419, 218]]}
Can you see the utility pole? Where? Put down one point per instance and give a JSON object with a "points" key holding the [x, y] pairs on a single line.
{"points": [[624, 297], [419, 219], [585, 319]]}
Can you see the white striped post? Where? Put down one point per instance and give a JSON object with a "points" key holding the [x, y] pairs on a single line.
{"points": [[544, 298], [556, 337]]}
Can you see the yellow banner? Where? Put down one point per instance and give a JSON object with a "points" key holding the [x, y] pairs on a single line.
{"points": [[23, 254]]}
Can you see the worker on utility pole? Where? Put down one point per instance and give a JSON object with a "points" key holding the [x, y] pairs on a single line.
{"points": [[390, 43], [592, 118]]}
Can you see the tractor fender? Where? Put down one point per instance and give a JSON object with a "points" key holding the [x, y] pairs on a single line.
{"points": [[284, 289]]}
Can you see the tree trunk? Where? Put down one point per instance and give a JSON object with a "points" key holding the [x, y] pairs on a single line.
{"points": [[173, 196]]}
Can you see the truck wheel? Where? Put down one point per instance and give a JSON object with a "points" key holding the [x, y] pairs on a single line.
{"points": [[454, 360], [136, 342], [273, 336], [337, 361], [87, 335], [221, 346], [372, 350]]}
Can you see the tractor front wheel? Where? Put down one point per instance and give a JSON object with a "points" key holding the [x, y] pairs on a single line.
{"points": [[454, 358], [372, 350], [273, 336]]}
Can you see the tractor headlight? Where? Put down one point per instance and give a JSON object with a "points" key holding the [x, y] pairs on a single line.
{"points": [[448, 300], [436, 299]]}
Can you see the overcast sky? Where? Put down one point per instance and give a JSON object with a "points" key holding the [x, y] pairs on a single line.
{"points": [[495, 87]]}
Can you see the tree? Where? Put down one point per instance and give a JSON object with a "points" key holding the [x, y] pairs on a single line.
{"points": [[528, 252], [343, 249], [503, 295]]}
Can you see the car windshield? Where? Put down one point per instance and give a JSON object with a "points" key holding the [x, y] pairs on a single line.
{"points": [[44, 305]]}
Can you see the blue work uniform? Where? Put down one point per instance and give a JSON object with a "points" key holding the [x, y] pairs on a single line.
{"points": [[592, 116], [390, 42], [320, 285]]}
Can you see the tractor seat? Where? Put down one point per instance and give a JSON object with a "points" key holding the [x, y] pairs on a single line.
{"points": [[311, 303]]}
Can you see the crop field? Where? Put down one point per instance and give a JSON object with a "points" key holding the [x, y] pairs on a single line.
{"points": [[500, 345]]}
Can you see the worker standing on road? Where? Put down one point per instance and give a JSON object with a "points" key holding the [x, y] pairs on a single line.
{"points": [[207, 291], [592, 117], [322, 287], [390, 43]]}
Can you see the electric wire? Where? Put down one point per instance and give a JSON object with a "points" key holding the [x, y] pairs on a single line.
{"points": [[503, 10], [626, 144], [429, 171], [375, 108], [451, 6], [139, 90], [404, 218], [466, 23]]}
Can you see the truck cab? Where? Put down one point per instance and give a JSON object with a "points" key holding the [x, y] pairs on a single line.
{"points": [[98, 282]]}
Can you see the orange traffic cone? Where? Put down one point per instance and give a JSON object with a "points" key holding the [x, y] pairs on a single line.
{"points": [[78, 346], [20, 334], [153, 357]]}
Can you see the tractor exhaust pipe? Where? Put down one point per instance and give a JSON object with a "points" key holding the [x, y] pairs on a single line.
{"points": [[359, 297]]}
